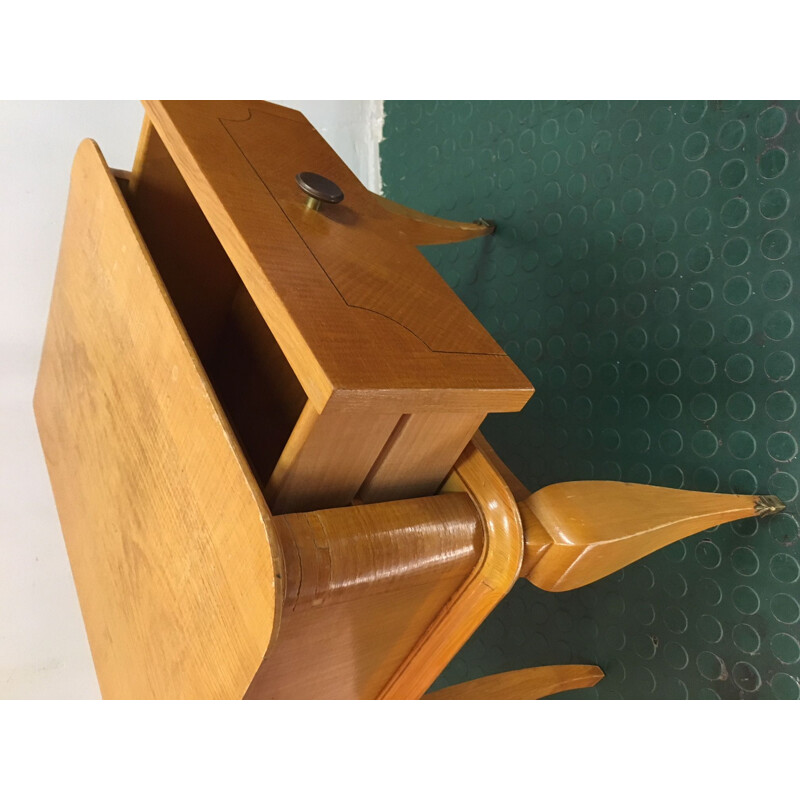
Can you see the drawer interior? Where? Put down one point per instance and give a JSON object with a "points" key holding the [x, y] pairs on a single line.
{"points": [[252, 378]]}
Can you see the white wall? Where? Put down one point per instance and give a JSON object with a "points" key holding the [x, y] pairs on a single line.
{"points": [[43, 648], [353, 128]]}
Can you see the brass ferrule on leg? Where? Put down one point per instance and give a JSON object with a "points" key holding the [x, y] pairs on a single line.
{"points": [[767, 505]]}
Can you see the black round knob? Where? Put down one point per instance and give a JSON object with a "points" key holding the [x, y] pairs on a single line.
{"points": [[319, 189]]}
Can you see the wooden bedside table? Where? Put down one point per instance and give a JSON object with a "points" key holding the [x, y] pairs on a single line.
{"points": [[259, 407]]}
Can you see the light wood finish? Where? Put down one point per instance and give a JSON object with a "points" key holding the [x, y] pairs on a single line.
{"points": [[142, 148], [582, 531], [174, 557], [354, 307], [327, 458], [420, 451], [487, 584], [518, 489], [368, 328], [147, 423], [523, 684], [255, 384], [423, 229], [199, 276], [236, 343], [362, 585], [536, 538]]}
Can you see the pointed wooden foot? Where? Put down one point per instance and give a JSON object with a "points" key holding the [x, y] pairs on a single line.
{"points": [[576, 533], [579, 532], [424, 229], [523, 684]]}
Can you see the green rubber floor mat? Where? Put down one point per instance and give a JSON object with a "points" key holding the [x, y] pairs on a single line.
{"points": [[642, 276]]}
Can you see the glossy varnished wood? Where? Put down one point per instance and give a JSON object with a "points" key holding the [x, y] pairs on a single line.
{"points": [[215, 342], [363, 584], [422, 229], [581, 531], [492, 577], [523, 684], [181, 570], [172, 550]]}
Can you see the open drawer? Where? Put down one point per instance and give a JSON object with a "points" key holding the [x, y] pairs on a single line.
{"points": [[166, 405], [346, 364]]}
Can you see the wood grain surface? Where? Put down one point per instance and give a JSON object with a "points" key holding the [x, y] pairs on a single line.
{"points": [[491, 579], [327, 458], [580, 531], [213, 341], [354, 306], [363, 584], [418, 455], [598, 527], [171, 546]]}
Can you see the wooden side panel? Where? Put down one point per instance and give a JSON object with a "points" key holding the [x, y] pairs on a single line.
{"points": [[197, 272], [261, 395], [419, 455], [170, 542], [363, 585], [326, 459]]}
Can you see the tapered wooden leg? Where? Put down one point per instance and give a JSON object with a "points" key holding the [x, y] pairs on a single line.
{"points": [[424, 229], [579, 532], [523, 684]]}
